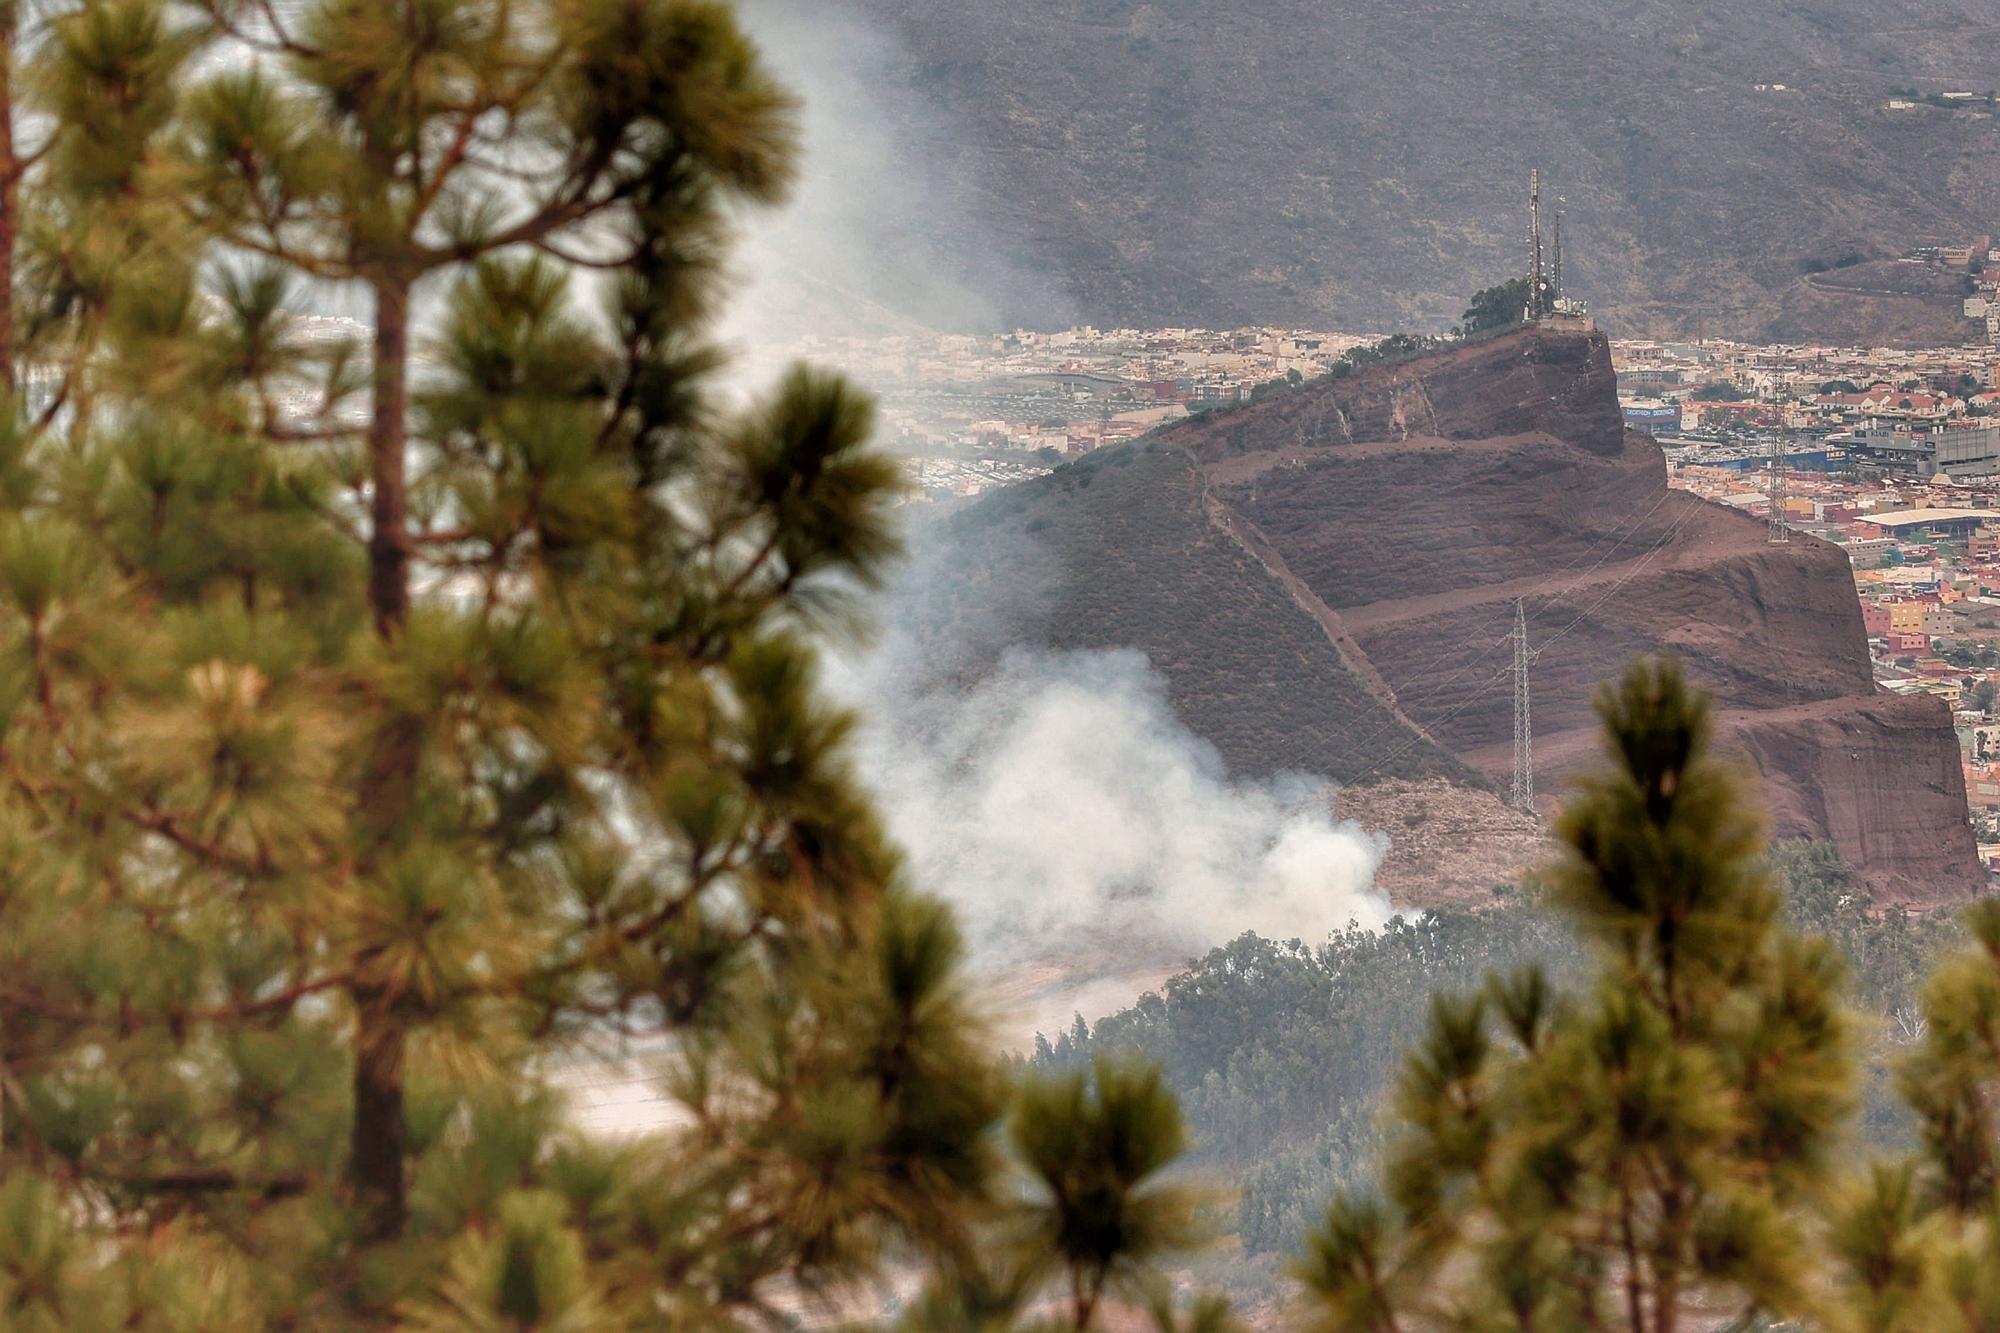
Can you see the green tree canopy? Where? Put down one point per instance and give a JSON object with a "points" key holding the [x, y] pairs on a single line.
{"points": [[1616, 1156], [1495, 307], [1097, 1213], [387, 721], [399, 716], [1915, 1241]]}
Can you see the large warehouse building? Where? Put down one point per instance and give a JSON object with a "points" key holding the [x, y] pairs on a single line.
{"points": [[1912, 523], [1957, 453]]}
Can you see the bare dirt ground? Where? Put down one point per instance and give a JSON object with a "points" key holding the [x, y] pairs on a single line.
{"points": [[1046, 997], [1448, 845]]}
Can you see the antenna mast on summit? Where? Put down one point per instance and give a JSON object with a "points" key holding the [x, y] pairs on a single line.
{"points": [[1537, 276], [1556, 258], [1779, 534], [1523, 795]]}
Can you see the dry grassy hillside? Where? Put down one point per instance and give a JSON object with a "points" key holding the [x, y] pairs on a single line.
{"points": [[1362, 164], [1115, 552]]}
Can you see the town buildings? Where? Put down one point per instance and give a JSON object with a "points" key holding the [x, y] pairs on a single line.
{"points": [[971, 412]]}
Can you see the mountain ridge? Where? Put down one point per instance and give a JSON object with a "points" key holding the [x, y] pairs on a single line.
{"points": [[1283, 162]]}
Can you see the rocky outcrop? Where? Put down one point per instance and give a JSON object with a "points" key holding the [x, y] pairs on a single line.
{"points": [[1496, 474], [1881, 776], [1493, 387], [1126, 550], [1446, 845], [1327, 580]]}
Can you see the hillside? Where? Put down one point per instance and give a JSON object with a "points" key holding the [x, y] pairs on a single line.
{"points": [[1116, 551], [1284, 1055], [1327, 581], [1364, 165]]}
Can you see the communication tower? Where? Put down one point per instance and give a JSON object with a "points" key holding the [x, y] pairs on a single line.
{"points": [[1538, 278], [1556, 258]]}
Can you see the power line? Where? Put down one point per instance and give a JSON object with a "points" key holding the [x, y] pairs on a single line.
{"points": [[1416, 738], [1477, 692], [1418, 683], [1617, 539], [1623, 579], [1617, 545]]}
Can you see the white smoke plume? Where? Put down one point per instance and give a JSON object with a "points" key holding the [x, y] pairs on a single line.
{"points": [[1060, 799], [880, 236]]}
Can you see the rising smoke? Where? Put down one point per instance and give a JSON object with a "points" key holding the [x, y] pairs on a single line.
{"points": [[1056, 799], [881, 235], [1060, 799]]}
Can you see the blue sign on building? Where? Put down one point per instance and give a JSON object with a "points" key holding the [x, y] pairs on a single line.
{"points": [[1653, 416]]}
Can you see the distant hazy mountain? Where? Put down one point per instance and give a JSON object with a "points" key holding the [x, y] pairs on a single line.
{"points": [[1363, 162]]}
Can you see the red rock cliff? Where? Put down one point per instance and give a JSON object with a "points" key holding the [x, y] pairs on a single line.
{"points": [[1416, 503]]}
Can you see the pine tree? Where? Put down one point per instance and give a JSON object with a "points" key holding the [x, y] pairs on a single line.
{"points": [[1095, 1143], [1655, 1145], [1098, 1214], [385, 722], [1917, 1245]]}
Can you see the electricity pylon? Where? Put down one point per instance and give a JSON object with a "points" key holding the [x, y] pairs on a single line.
{"points": [[1779, 534], [1524, 732]]}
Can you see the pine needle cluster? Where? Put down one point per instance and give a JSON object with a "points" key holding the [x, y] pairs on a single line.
{"points": [[1916, 1242]]}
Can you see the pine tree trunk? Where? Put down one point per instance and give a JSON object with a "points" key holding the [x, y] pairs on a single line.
{"points": [[388, 437], [379, 1142], [380, 1136], [10, 193], [10, 204]]}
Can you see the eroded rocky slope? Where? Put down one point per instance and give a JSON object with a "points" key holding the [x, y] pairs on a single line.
{"points": [[1327, 581]]}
